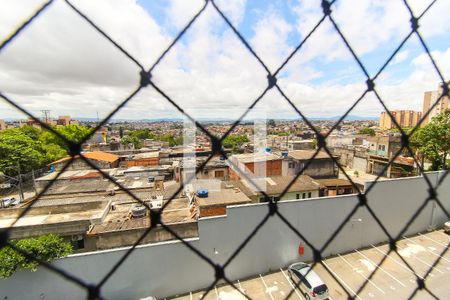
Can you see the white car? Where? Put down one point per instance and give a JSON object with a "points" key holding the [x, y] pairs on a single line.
{"points": [[308, 281], [7, 202], [447, 227]]}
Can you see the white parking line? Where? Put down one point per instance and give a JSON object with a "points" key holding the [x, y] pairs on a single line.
{"points": [[240, 287], [396, 261], [217, 294], [437, 242], [293, 287], [365, 277], [429, 250], [267, 288], [422, 261], [386, 272], [444, 234], [340, 279]]}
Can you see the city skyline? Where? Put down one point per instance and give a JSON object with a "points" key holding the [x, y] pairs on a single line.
{"points": [[210, 70]]}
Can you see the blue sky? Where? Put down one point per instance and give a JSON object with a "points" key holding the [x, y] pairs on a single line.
{"points": [[209, 72]]}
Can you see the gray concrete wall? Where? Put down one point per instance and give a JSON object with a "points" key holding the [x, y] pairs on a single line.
{"points": [[360, 164], [170, 268], [115, 239], [319, 168]]}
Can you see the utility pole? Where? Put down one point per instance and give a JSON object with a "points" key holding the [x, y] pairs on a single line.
{"points": [[45, 115], [34, 182], [22, 198]]}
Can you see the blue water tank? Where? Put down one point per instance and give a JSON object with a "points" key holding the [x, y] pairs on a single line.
{"points": [[202, 193], [284, 153], [268, 150]]}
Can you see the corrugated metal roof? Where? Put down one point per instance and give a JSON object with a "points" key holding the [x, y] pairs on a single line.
{"points": [[96, 155]]}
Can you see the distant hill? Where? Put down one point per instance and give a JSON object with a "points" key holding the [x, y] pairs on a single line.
{"points": [[348, 118], [220, 120]]}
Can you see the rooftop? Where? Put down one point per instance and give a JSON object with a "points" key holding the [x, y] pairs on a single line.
{"points": [[119, 219], [153, 154], [255, 157], [277, 184], [54, 214], [96, 155], [334, 182], [226, 195], [307, 154]]}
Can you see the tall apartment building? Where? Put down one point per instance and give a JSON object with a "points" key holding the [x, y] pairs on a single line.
{"points": [[2, 125], [429, 99], [405, 118]]}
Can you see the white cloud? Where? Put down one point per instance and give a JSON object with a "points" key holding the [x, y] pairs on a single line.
{"points": [[61, 63], [400, 57], [271, 39]]}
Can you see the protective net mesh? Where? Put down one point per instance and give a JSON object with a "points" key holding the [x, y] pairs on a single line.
{"points": [[94, 291]]}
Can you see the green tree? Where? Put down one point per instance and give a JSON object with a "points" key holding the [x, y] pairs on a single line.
{"points": [[29, 148], [31, 132], [19, 152], [314, 143], [44, 248], [171, 139], [433, 140], [283, 133], [271, 123], [131, 140], [369, 131], [75, 133], [234, 141]]}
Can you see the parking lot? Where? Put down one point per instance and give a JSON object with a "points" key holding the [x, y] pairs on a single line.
{"points": [[393, 279]]}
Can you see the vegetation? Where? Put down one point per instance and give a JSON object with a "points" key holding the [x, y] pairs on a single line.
{"points": [[368, 131], [433, 140], [234, 142], [44, 248], [282, 133], [314, 143], [136, 137], [27, 148]]}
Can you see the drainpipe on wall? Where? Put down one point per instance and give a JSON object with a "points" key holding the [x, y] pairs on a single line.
{"points": [[432, 225]]}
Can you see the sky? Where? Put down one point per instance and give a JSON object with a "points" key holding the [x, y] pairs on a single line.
{"points": [[60, 63]]}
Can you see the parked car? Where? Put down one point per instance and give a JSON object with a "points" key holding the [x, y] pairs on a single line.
{"points": [[447, 227], [308, 281], [7, 202]]}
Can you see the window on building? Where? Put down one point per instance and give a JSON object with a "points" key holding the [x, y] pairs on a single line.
{"points": [[309, 194], [298, 196], [77, 242], [291, 165], [348, 190], [304, 196], [219, 174], [80, 244]]}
